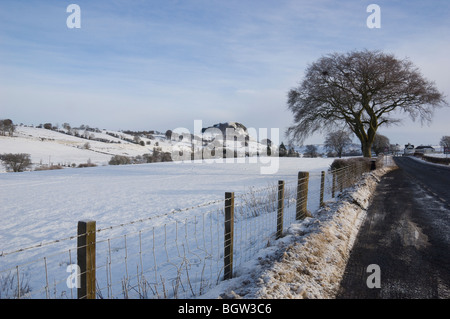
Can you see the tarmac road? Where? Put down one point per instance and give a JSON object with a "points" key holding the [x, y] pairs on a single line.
{"points": [[406, 235]]}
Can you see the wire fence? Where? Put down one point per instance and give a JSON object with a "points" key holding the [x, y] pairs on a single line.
{"points": [[181, 254]]}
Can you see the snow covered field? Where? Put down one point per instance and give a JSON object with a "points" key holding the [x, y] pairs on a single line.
{"points": [[42, 207], [160, 226]]}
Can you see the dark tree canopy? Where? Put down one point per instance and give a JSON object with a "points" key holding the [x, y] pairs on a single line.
{"points": [[363, 90]]}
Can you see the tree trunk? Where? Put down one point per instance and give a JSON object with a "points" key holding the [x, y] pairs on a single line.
{"points": [[366, 149]]}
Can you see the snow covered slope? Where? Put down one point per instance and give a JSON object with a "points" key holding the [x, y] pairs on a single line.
{"points": [[48, 147], [55, 147]]}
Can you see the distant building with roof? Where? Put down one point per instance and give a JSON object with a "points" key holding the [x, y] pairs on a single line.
{"points": [[409, 149], [422, 149]]}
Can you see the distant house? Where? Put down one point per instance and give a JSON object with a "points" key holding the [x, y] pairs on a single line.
{"points": [[409, 149], [424, 149]]}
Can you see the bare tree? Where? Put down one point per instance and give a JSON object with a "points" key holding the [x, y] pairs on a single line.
{"points": [[168, 134], [363, 90], [6, 126], [311, 151], [445, 141], [337, 141], [380, 143], [137, 139], [16, 162]]}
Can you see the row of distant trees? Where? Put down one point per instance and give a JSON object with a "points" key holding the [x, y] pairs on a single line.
{"points": [[338, 141], [87, 132], [156, 157], [337, 144]]}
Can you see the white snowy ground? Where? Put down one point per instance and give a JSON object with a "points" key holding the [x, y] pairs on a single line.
{"points": [[310, 260], [441, 155], [431, 163], [45, 206]]}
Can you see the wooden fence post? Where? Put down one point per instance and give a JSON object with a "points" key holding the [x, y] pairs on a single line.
{"points": [[322, 186], [280, 209], [229, 233], [302, 195], [86, 259], [333, 186]]}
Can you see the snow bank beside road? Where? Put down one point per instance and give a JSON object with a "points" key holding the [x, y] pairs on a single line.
{"points": [[310, 260]]}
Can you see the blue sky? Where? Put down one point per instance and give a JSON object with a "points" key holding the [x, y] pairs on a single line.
{"points": [[145, 65]]}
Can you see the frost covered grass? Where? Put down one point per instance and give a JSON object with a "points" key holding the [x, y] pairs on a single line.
{"points": [[309, 261]]}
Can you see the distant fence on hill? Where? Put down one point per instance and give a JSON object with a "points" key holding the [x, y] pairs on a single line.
{"points": [[181, 254]]}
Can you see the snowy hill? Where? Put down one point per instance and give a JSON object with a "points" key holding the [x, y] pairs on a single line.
{"points": [[232, 136], [235, 126], [49, 147], [72, 147]]}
